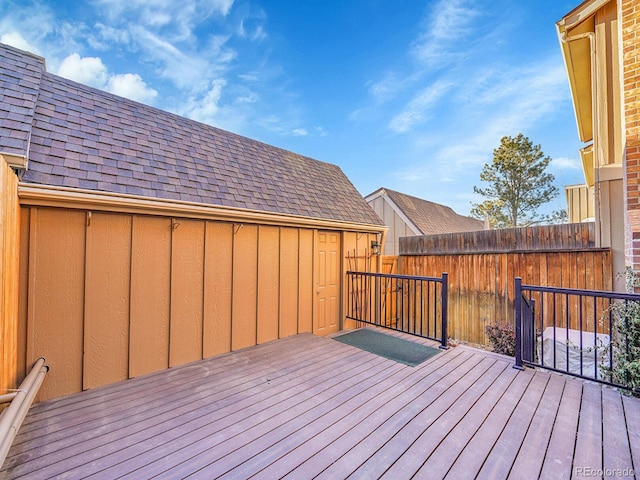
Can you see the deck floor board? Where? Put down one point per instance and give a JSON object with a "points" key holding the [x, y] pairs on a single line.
{"points": [[311, 407]]}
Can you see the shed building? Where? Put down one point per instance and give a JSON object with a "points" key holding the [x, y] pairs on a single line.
{"points": [[148, 240]]}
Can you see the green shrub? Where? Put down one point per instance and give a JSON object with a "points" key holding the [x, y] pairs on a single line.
{"points": [[502, 338], [625, 339]]}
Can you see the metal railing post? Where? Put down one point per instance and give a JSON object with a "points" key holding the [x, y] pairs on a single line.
{"points": [[445, 317], [518, 323]]}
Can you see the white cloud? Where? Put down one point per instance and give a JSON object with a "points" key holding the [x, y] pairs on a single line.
{"points": [[416, 111], [104, 37], [88, 70], [191, 71], [251, 28], [450, 22], [131, 86], [321, 132], [566, 163], [204, 108], [26, 27], [300, 132], [16, 40], [385, 88], [183, 14], [92, 71], [506, 102], [247, 97]]}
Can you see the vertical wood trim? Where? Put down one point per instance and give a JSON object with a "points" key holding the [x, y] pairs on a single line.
{"points": [[23, 306], [205, 238], [129, 296], [9, 281], [31, 282]]}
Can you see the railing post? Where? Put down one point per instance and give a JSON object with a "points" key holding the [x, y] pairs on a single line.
{"points": [[518, 323], [445, 317]]}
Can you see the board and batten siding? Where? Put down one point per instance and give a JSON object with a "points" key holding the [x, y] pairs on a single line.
{"points": [[109, 296], [9, 266], [398, 226]]}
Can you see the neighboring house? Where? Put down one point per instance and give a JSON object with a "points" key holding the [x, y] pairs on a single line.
{"points": [[580, 203], [148, 240], [407, 216], [601, 49]]}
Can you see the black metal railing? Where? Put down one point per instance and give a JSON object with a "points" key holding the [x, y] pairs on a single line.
{"points": [[585, 333], [409, 304]]}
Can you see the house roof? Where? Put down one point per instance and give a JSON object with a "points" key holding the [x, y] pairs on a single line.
{"points": [[574, 31], [80, 137], [429, 217]]}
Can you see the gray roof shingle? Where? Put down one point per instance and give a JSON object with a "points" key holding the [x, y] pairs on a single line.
{"points": [[85, 138], [431, 218], [20, 75]]}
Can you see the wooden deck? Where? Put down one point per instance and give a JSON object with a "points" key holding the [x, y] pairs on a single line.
{"points": [[309, 407]]}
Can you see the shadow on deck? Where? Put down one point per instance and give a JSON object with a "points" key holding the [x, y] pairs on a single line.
{"points": [[311, 407]]}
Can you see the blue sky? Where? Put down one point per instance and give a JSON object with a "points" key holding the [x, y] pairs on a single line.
{"points": [[406, 94]]}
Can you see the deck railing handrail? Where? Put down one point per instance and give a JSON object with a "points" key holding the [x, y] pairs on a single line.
{"points": [[577, 291], [21, 400], [398, 276], [406, 303], [571, 330]]}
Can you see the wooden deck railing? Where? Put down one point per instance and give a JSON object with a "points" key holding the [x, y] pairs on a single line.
{"points": [[410, 304]]}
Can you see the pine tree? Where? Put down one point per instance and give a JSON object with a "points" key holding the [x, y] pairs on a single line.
{"points": [[518, 184]]}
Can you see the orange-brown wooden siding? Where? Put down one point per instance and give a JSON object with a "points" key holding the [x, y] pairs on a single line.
{"points": [[268, 281], [106, 305], [9, 266], [187, 282], [150, 294], [218, 288], [481, 286], [55, 310], [108, 296]]}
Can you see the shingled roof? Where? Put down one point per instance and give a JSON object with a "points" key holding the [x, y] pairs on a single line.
{"points": [[429, 217], [80, 137]]}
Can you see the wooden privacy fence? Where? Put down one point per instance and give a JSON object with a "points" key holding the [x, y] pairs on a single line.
{"points": [[482, 267]]}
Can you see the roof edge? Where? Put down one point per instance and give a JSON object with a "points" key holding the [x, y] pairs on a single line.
{"points": [[396, 208], [580, 13], [50, 196], [15, 161]]}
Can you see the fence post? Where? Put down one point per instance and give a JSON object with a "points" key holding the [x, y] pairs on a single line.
{"points": [[518, 323], [445, 317]]}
